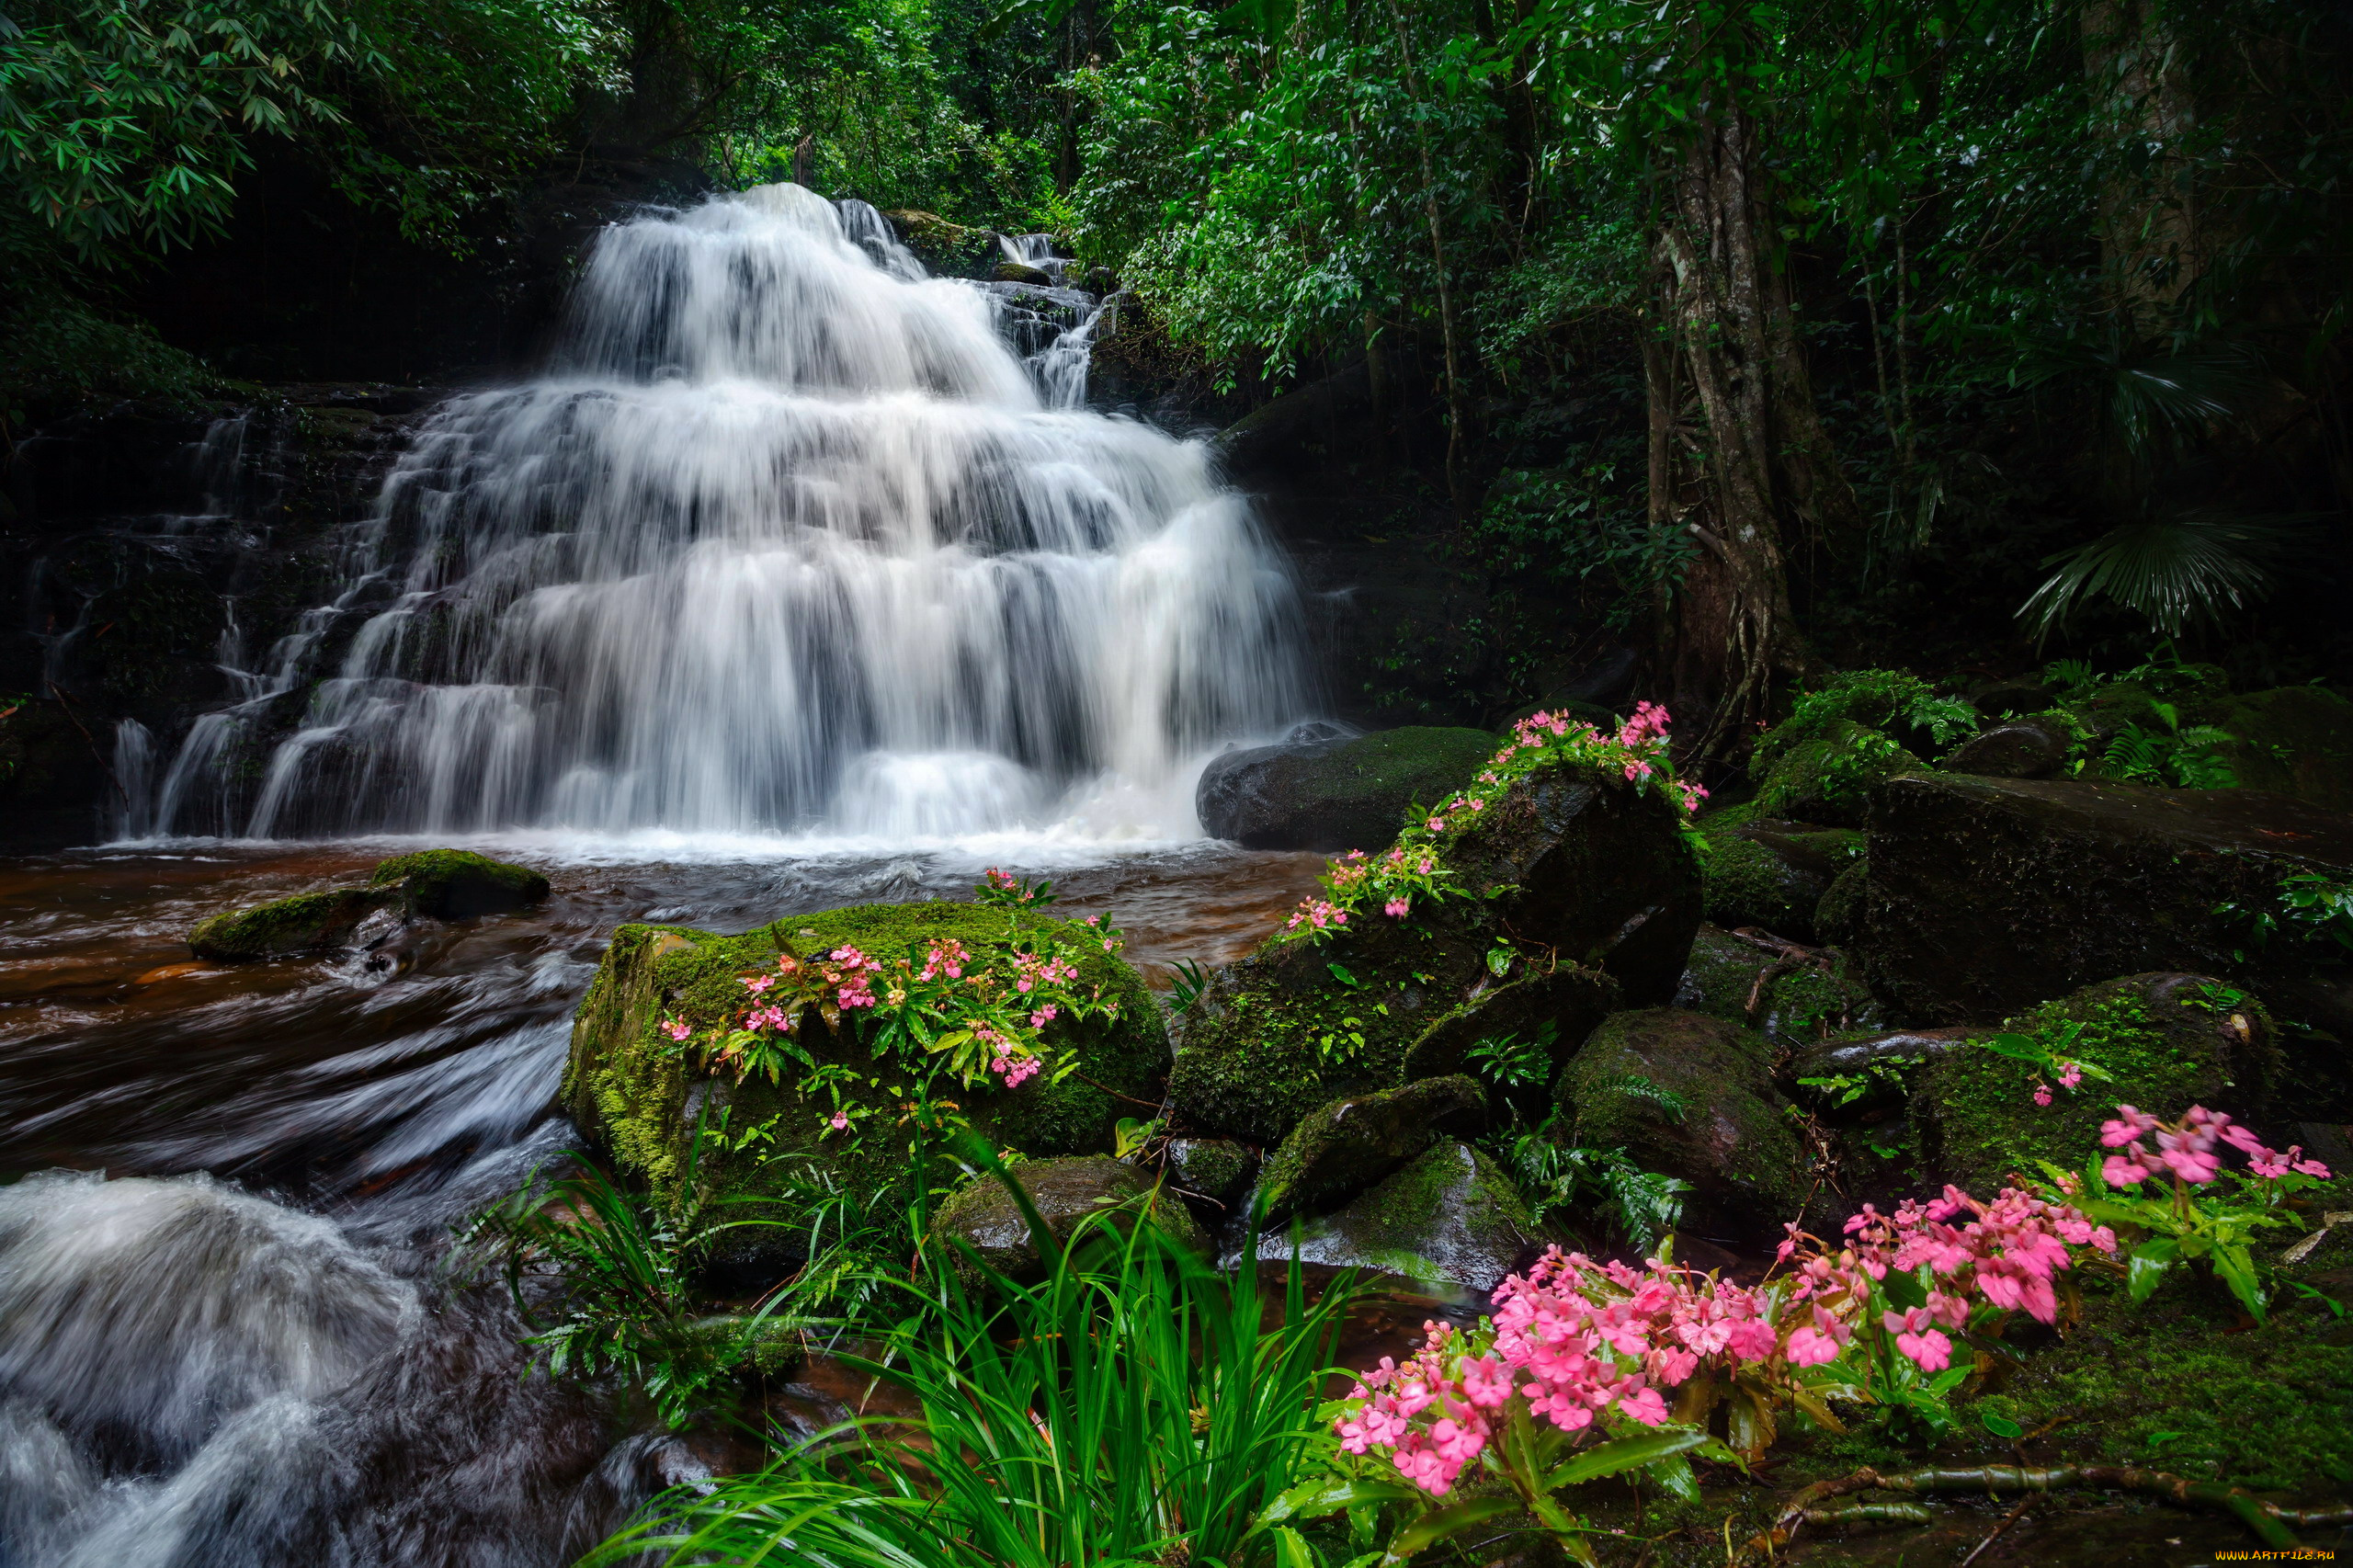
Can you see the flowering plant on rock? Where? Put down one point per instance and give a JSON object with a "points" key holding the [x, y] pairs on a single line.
{"points": [[940, 1010], [2166, 1186], [1412, 873]]}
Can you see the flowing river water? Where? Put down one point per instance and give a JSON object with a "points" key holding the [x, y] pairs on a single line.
{"points": [[801, 579]]}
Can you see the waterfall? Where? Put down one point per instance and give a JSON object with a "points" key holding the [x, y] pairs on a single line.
{"points": [[792, 538]]}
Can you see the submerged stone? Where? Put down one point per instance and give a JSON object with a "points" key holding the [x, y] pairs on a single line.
{"points": [[1336, 793], [1451, 1217]]}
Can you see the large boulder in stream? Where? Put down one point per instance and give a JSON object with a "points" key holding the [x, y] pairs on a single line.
{"points": [[1349, 1145], [1571, 866], [1334, 792], [457, 884], [1987, 896], [640, 1096], [307, 922], [1449, 1217]]}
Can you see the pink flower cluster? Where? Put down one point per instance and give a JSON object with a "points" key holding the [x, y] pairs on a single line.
{"points": [[856, 987], [769, 1018], [1317, 914], [1643, 736], [1030, 972], [2187, 1148], [1006, 1059], [1576, 1338], [944, 955]]}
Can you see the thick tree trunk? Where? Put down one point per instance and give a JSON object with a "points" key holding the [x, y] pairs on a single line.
{"points": [[1739, 459], [2148, 225]]}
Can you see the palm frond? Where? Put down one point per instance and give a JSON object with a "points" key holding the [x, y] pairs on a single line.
{"points": [[2155, 393], [2177, 569]]}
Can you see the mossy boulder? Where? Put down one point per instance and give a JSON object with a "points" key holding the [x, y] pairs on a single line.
{"points": [[2297, 740], [1692, 1096], [1827, 777], [1343, 1148], [1451, 1217], [2169, 1040], [1987, 896], [1559, 1006], [947, 248], [982, 1214], [2036, 746], [1839, 913], [639, 1099], [307, 922], [1571, 866], [1769, 872], [1796, 995], [1218, 1169], [1337, 793], [457, 884]]}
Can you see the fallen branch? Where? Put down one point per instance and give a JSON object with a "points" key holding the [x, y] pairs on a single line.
{"points": [[2269, 1521]]}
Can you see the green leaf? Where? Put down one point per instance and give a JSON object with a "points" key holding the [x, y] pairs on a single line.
{"points": [[1433, 1528], [1341, 975], [1674, 1477], [2148, 1265], [2002, 1426], [2022, 1047], [2236, 1267], [1904, 1289], [1314, 1499], [1621, 1454]]}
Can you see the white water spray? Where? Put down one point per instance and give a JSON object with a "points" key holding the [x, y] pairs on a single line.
{"points": [[788, 540]]}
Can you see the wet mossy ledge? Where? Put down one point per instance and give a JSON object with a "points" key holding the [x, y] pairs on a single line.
{"points": [[436, 884], [640, 1098]]}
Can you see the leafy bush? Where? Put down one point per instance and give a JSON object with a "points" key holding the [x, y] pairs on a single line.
{"points": [[1877, 700]]}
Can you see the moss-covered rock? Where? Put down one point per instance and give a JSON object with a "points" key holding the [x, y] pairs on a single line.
{"points": [[1216, 1168], [1335, 794], [2295, 741], [1560, 1005], [304, 923], [1988, 896], [982, 1214], [1762, 871], [1572, 866], [2036, 746], [2169, 1040], [1797, 1000], [1838, 915], [457, 884], [1692, 1096], [1827, 777], [639, 1099], [1452, 1217], [947, 248], [1343, 1148]]}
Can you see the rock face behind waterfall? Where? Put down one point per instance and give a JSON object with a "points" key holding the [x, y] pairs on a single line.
{"points": [[1336, 793], [638, 1097], [1573, 867]]}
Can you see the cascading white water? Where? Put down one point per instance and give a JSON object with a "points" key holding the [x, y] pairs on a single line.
{"points": [[789, 539]]}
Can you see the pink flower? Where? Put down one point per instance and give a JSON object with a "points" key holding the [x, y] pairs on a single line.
{"points": [[1932, 1349], [1438, 824], [1395, 908], [2117, 1171], [2043, 1093], [677, 1028], [838, 1120], [757, 982], [2069, 1075], [2191, 1165]]}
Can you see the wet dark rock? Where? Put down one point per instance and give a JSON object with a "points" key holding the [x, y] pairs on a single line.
{"points": [[2004, 699], [1831, 1058], [1797, 994], [1349, 1145], [457, 884], [1334, 793], [2169, 1040], [948, 249], [1021, 272], [1839, 913], [1691, 1096], [1568, 1002], [2024, 748], [1451, 1217], [984, 1215], [1772, 873], [1216, 1168], [1572, 866], [1988, 895], [308, 922]]}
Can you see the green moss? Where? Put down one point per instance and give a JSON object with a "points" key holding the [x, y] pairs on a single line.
{"points": [[2178, 1384], [2295, 741], [1345, 1146], [1824, 777], [1451, 1217], [1838, 917], [626, 1086], [299, 924], [2165, 1052], [1748, 884], [449, 884]]}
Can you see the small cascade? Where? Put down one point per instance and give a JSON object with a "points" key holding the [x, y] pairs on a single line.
{"points": [[792, 538]]}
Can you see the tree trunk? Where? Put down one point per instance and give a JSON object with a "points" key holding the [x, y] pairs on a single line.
{"points": [[2148, 226], [1740, 459]]}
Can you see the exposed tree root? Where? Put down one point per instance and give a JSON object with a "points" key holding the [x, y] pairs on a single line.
{"points": [[2269, 1521]]}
